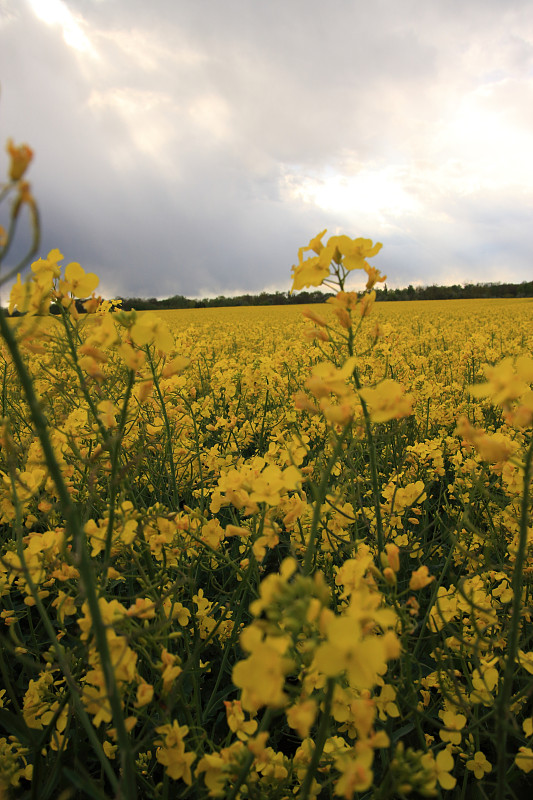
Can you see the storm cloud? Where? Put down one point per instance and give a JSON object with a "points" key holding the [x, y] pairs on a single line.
{"points": [[191, 148]]}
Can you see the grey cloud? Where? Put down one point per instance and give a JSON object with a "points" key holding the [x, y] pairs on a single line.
{"points": [[160, 161]]}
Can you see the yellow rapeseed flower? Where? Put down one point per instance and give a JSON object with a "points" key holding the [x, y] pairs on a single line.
{"points": [[524, 759], [77, 282], [387, 401], [479, 765], [171, 751]]}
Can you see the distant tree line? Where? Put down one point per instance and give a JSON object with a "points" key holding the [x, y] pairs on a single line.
{"points": [[263, 299], [455, 292], [383, 294]]}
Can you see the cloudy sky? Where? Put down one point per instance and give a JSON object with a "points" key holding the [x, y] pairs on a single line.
{"points": [[191, 146]]}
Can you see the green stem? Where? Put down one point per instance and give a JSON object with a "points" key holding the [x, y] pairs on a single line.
{"points": [[167, 428], [248, 760], [68, 328], [81, 557], [34, 246], [501, 707], [320, 494], [6, 679], [320, 742], [198, 452], [229, 649], [114, 467], [60, 653], [436, 586], [373, 468]]}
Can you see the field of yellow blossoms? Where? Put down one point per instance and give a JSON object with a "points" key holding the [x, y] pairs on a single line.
{"points": [[255, 553]]}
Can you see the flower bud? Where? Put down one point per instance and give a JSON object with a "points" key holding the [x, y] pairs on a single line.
{"points": [[389, 576], [20, 158]]}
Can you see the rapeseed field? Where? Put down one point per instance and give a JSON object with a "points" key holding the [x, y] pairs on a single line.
{"points": [[260, 553]]}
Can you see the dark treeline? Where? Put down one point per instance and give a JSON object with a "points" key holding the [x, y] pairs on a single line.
{"points": [[455, 292], [178, 301], [263, 299], [384, 294], [465, 292]]}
